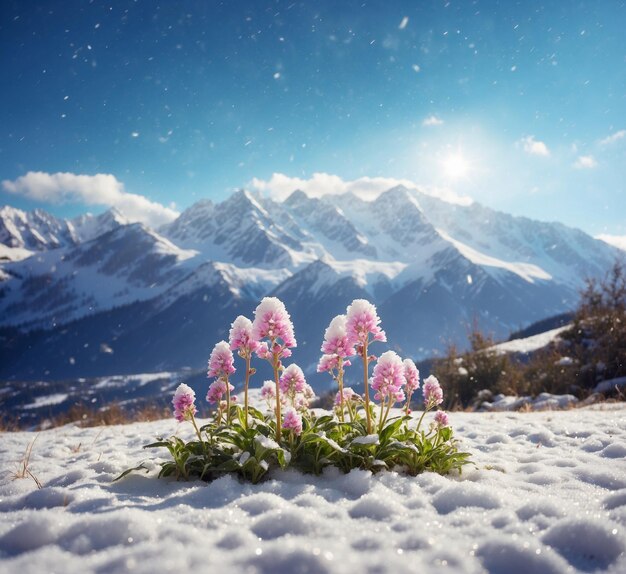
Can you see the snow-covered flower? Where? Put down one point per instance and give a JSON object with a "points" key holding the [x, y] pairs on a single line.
{"points": [[411, 376], [240, 337], [441, 419], [221, 362], [348, 395], [336, 341], [292, 380], [268, 391], [271, 321], [388, 377], [361, 320], [433, 395], [293, 421], [184, 403], [217, 390]]}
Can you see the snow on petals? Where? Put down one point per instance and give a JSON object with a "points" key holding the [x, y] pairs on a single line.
{"points": [[240, 336], [361, 320], [272, 321], [184, 403], [388, 377], [221, 361], [336, 341], [292, 380]]}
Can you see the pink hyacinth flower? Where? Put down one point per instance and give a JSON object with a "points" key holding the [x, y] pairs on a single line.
{"points": [[441, 419], [217, 390], [330, 363], [293, 421], [268, 391], [388, 377], [240, 337], [292, 380], [361, 321], [184, 403], [271, 321], [433, 395], [411, 376], [221, 362], [336, 341]]}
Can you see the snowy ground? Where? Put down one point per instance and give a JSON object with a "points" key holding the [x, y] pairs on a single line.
{"points": [[549, 495]]}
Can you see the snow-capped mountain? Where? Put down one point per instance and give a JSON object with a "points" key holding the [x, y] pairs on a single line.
{"points": [[101, 296]]}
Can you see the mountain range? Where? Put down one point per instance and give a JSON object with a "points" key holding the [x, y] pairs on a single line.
{"points": [[98, 295]]}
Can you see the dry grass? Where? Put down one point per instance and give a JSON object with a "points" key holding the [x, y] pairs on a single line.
{"points": [[113, 414], [23, 470]]}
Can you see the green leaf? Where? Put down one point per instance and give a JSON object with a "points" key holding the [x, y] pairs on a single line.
{"points": [[141, 466]]}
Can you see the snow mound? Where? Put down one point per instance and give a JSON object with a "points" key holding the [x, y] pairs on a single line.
{"points": [[548, 494]]}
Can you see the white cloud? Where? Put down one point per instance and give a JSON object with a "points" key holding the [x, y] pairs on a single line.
{"points": [[100, 189], [403, 23], [432, 121], [534, 147], [280, 186], [585, 162], [621, 134]]}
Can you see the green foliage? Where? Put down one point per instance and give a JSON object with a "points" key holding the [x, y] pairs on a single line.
{"points": [[251, 453]]}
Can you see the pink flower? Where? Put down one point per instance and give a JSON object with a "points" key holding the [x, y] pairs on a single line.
{"points": [[271, 321], [433, 395], [330, 363], [348, 395], [183, 401], [388, 377], [268, 391], [361, 320], [292, 380], [441, 419], [411, 375], [217, 390], [336, 340], [240, 337], [221, 362], [263, 351], [293, 421]]}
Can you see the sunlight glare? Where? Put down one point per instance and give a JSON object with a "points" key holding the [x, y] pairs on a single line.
{"points": [[456, 166]]}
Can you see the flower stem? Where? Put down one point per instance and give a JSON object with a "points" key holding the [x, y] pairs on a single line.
{"points": [[340, 382], [245, 424], [426, 409], [408, 404], [367, 393], [387, 410], [276, 363], [195, 426], [227, 402]]}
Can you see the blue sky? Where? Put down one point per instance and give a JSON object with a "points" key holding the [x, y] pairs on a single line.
{"points": [[519, 105]]}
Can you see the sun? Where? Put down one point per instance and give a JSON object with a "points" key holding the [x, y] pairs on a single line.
{"points": [[455, 166]]}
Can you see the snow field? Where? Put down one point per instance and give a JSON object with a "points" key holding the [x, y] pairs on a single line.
{"points": [[548, 495]]}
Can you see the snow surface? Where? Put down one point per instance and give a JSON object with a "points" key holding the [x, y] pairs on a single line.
{"points": [[548, 495], [530, 344]]}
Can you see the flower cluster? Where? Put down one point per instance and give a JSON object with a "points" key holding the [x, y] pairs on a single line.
{"points": [[184, 403], [251, 443], [388, 378]]}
